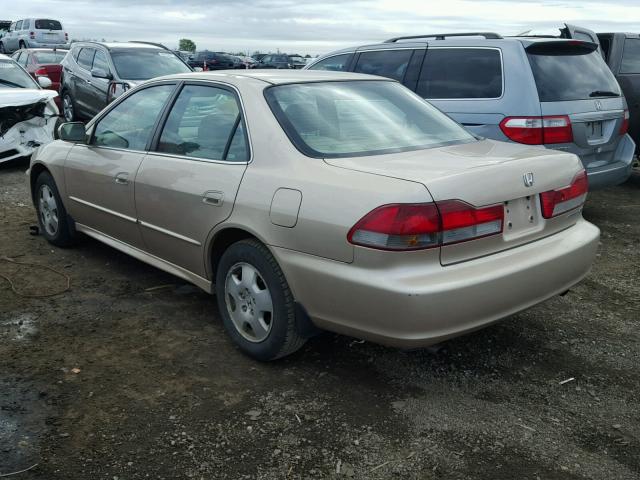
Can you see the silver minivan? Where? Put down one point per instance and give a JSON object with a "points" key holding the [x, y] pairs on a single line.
{"points": [[34, 33], [547, 91]]}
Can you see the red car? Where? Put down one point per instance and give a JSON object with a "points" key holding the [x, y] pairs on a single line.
{"points": [[43, 62]]}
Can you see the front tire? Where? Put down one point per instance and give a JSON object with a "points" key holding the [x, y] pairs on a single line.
{"points": [[52, 216], [68, 108], [256, 303]]}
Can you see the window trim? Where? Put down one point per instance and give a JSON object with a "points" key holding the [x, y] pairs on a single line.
{"points": [[91, 126], [165, 115], [482, 99]]}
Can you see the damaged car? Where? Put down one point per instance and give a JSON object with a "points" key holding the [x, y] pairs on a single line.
{"points": [[28, 113]]}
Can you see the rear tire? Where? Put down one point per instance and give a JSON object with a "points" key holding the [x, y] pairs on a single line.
{"points": [[21, 45], [55, 224], [2, 50], [256, 303]]}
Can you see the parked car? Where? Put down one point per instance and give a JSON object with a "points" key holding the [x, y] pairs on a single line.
{"points": [[275, 60], [34, 33], [211, 61], [28, 113], [405, 212], [538, 91], [43, 62], [183, 54], [258, 56], [297, 61], [95, 73], [622, 53]]}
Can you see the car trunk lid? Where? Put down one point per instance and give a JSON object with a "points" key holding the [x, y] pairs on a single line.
{"points": [[484, 173], [48, 31]]}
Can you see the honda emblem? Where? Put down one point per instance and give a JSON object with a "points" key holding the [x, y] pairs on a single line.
{"points": [[598, 105], [528, 179]]}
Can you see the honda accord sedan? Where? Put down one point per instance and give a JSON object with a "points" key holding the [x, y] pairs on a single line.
{"points": [[311, 200]]}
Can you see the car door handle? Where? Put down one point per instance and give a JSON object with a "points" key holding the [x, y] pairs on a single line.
{"points": [[122, 178], [214, 198]]}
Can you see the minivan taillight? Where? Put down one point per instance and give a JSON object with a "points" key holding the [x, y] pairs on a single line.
{"points": [[562, 200], [415, 226], [538, 130], [624, 128], [32, 35], [66, 37]]}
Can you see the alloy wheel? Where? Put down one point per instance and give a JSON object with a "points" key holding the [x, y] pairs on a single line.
{"points": [[48, 210], [249, 302], [67, 108]]}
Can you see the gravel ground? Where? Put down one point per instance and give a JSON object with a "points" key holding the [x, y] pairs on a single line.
{"points": [[112, 381]]}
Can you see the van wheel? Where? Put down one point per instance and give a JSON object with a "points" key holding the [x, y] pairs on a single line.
{"points": [[68, 107], [21, 45], [256, 303], [52, 216]]}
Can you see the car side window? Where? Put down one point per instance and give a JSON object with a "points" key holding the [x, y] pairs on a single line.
{"points": [[461, 73], [85, 58], [129, 125], [631, 56], [386, 63], [25, 24], [100, 61], [205, 122], [337, 63]]}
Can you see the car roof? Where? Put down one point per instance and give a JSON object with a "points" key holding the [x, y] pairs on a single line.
{"points": [[472, 40], [127, 45], [276, 77]]}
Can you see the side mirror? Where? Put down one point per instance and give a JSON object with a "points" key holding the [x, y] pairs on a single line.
{"points": [[44, 82], [72, 132], [100, 73]]}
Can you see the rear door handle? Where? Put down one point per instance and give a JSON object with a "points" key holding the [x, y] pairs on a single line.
{"points": [[122, 178], [213, 197]]}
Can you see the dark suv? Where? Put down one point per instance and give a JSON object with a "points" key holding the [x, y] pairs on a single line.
{"points": [[552, 92], [211, 61], [95, 73], [275, 60]]}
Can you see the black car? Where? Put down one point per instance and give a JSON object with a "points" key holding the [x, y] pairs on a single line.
{"points": [[275, 60], [622, 53], [211, 61], [95, 73]]}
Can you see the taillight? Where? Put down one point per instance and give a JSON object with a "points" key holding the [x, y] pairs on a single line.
{"points": [[562, 200], [538, 130], [32, 35], [66, 36], [41, 72], [425, 225], [624, 128]]}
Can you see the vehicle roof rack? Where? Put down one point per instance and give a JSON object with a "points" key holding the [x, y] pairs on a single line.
{"points": [[159, 45], [442, 36]]}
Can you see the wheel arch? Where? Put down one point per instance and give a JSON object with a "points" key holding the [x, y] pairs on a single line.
{"points": [[223, 239], [34, 172]]}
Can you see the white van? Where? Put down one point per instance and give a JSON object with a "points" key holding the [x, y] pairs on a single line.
{"points": [[34, 33]]}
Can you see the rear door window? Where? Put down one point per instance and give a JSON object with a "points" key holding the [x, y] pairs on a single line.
{"points": [[565, 72], [85, 58], [205, 122], [19, 25], [461, 73], [25, 24], [337, 63], [631, 56], [386, 63], [44, 24]]}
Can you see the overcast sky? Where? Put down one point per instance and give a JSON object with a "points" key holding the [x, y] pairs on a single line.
{"points": [[315, 27]]}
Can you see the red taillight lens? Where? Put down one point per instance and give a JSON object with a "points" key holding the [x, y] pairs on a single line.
{"points": [[41, 72], [562, 200], [32, 35], [538, 130], [624, 128], [425, 225]]}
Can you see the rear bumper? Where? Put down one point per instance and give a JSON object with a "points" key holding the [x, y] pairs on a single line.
{"points": [[614, 173], [35, 44], [423, 305]]}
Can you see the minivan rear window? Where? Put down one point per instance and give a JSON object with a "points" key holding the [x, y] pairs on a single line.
{"points": [[631, 56], [565, 73], [461, 73], [48, 25]]}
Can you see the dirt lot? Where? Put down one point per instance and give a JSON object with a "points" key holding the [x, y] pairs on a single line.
{"points": [[111, 381]]}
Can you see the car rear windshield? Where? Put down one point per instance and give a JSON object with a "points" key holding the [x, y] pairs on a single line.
{"points": [[50, 57], [570, 73], [138, 64], [357, 118], [12, 76], [48, 25]]}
